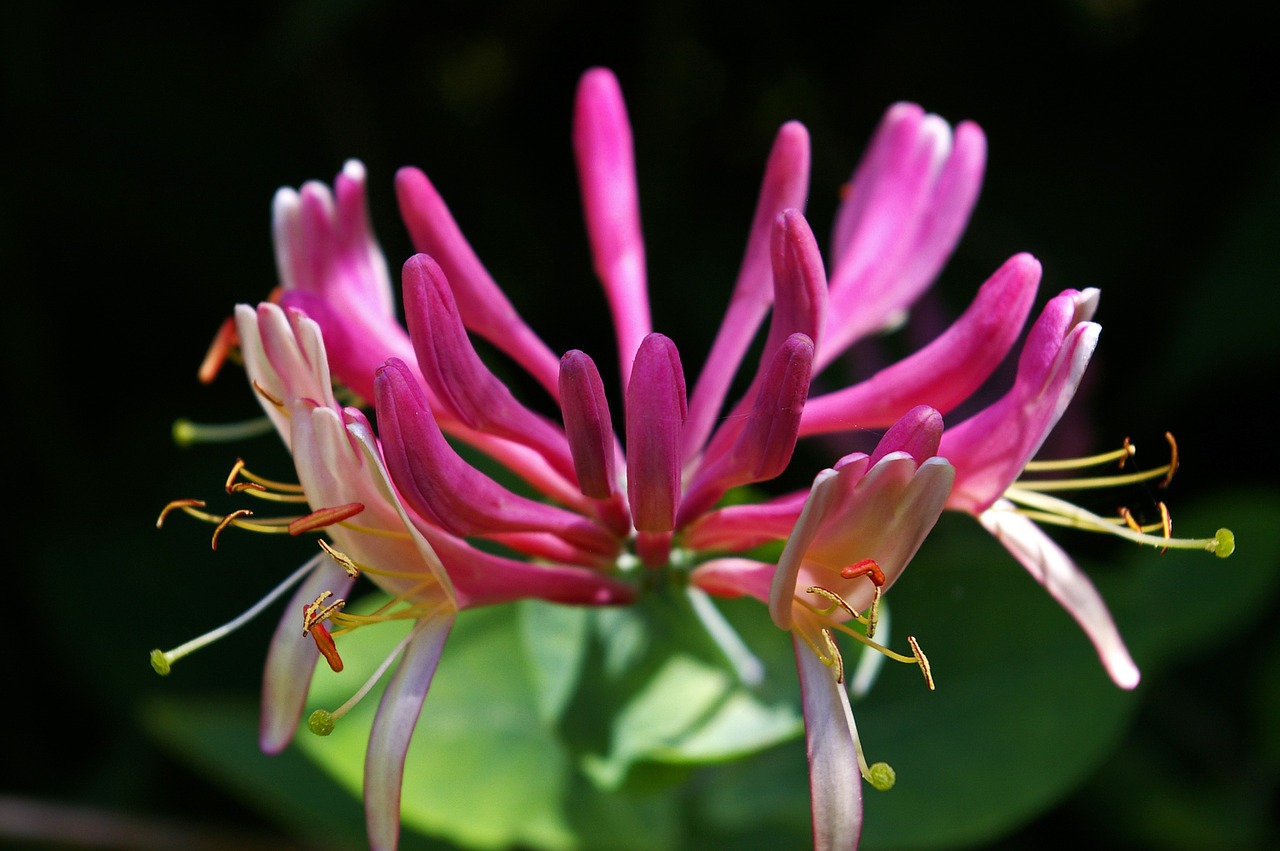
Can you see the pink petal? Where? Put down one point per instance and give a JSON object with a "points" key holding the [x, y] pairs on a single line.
{"points": [[734, 577], [484, 307], [785, 186], [991, 448], [765, 441], [1066, 583], [835, 781], [607, 173], [393, 726], [463, 386], [587, 424], [947, 371], [741, 527], [438, 484], [656, 410]]}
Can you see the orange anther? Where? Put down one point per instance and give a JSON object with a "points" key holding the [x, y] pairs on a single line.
{"points": [[868, 568], [229, 520], [268, 395], [224, 341], [176, 504], [1166, 523], [323, 517], [324, 641], [1173, 460], [1133, 524]]}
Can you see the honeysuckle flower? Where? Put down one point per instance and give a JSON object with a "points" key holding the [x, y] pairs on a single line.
{"points": [[601, 511]]}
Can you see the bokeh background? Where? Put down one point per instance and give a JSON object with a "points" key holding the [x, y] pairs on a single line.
{"points": [[1134, 146]]}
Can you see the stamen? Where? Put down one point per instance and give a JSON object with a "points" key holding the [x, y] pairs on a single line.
{"points": [[1173, 459], [183, 504], [321, 721], [239, 469], [833, 654], [1122, 455], [342, 559], [1047, 509], [270, 397], [1166, 523], [229, 520], [312, 624], [162, 661], [922, 660], [837, 602], [325, 517], [224, 341]]}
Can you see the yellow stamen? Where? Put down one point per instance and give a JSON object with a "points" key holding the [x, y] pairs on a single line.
{"points": [[922, 660], [268, 395], [229, 520]]}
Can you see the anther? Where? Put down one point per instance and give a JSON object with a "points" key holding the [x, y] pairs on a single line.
{"points": [[867, 567], [231, 477], [315, 612], [224, 341], [837, 602], [324, 517], [1127, 516], [1166, 524], [834, 658], [873, 613], [229, 520], [1173, 459], [177, 504], [922, 660], [266, 394], [342, 559]]}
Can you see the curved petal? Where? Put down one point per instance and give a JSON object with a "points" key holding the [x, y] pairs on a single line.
{"points": [[656, 409], [605, 158], [948, 370], [835, 781], [1066, 583], [785, 186], [393, 726], [734, 577]]}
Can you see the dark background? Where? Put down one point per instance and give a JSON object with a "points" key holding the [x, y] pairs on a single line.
{"points": [[1133, 147]]}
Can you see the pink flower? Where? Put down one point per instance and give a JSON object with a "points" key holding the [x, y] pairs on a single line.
{"points": [[405, 508]]}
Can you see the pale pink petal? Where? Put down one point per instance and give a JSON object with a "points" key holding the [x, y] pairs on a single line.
{"points": [[991, 448], [291, 658], [602, 147], [948, 370], [484, 307], [741, 527], [835, 781], [393, 727], [785, 186], [1066, 583], [656, 409], [734, 577]]}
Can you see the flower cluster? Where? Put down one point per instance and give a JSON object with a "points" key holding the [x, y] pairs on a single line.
{"points": [[401, 505]]}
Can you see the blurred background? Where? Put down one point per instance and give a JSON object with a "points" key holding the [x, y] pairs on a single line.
{"points": [[1134, 146]]}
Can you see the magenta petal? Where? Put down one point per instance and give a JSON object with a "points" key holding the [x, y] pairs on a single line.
{"points": [[393, 726], [465, 388], [481, 302], [835, 781], [587, 424], [437, 483], [291, 658], [607, 173], [785, 186], [764, 444], [918, 433], [991, 448], [948, 370], [1060, 576], [656, 409]]}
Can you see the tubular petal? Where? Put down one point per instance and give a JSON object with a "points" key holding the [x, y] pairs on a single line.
{"points": [[656, 410], [948, 370], [602, 148], [785, 186], [587, 424], [484, 307]]}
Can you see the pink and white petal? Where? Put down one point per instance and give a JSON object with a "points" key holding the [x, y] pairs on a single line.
{"points": [[741, 527], [1049, 565], [835, 781], [291, 657], [785, 186], [393, 727], [948, 370], [734, 577]]}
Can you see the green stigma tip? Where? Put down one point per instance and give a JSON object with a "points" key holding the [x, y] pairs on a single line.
{"points": [[882, 776], [184, 433], [1226, 543], [160, 662], [321, 722]]}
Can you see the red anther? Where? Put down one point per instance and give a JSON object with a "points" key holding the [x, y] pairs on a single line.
{"points": [[323, 517], [329, 650], [868, 568], [224, 341]]}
